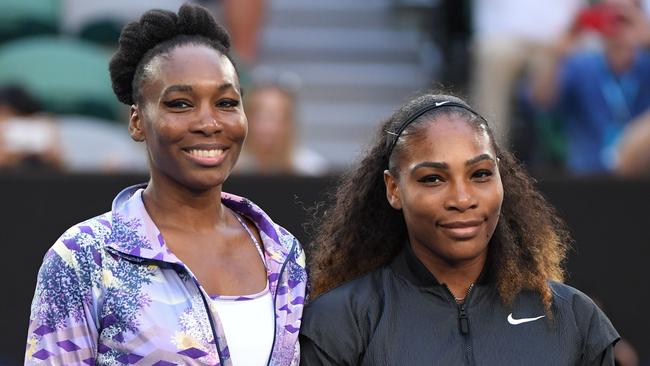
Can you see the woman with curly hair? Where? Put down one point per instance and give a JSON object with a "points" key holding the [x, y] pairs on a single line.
{"points": [[439, 251], [178, 272]]}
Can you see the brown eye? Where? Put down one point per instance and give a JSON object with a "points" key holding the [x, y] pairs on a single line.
{"points": [[482, 175], [431, 179], [177, 104], [228, 103]]}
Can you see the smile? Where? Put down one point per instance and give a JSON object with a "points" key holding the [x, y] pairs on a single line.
{"points": [[462, 230], [206, 157], [205, 153]]}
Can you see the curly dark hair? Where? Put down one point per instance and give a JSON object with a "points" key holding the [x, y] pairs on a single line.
{"points": [[158, 32], [362, 232]]}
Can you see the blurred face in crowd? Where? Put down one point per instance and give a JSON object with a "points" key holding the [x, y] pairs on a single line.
{"points": [[270, 116], [628, 20], [191, 116], [449, 190]]}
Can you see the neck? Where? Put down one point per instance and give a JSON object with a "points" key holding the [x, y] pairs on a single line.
{"points": [[174, 206], [620, 60], [458, 276]]}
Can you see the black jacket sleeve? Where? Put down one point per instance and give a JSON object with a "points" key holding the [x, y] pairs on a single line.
{"points": [[312, 355], [606, 358], [599, 335], [334, 330]]}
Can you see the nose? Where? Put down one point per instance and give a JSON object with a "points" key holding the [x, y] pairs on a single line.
{"points": [[207, 121], [461, 197]]}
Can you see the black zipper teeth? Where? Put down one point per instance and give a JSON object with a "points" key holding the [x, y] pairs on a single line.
{"points": [[275, 297], [469, 289], [462, 309]]}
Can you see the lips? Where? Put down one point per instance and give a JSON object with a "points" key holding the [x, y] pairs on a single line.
{"points": [[462, 230], [206, 154]]}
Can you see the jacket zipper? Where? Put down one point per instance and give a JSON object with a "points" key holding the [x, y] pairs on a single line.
{"points": [[275, 297], [463, 322], [211, 321]]}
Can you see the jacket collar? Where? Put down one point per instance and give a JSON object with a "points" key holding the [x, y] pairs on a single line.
{"points": [[409, 266], [134, 233]]}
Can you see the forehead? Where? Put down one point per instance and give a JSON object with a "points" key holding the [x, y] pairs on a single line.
{"points": [[190, 64], [449, 139]]}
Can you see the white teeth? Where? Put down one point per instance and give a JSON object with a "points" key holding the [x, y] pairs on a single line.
{"points": [[206, 153]]}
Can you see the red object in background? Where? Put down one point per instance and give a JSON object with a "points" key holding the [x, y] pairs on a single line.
{"points": [[600, 17]]}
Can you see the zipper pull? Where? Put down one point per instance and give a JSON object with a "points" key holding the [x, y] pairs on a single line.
{"points": [[463, 320]]}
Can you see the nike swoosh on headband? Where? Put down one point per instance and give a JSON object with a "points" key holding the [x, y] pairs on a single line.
{"points": [[514, 321]]}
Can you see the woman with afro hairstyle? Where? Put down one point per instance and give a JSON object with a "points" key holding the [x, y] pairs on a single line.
{"points": [[438, 250], [178, 272]]}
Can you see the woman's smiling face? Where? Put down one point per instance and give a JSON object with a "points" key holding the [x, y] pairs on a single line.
{"points": [[449, 189], [191, 116]]}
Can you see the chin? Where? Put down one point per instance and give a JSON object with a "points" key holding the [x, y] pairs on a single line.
{"points": [[204, 182], [465, 250]]}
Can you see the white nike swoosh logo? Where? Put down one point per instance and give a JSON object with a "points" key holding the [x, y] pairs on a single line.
{"points": [[438, 104], [514, 321]]}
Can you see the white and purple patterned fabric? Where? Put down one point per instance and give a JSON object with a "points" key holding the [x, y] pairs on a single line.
{"points": [[110, 292]]}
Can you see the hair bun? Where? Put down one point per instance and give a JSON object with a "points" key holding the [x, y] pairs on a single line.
{"points": [[155, 27], [158, 26], [196, 20]]}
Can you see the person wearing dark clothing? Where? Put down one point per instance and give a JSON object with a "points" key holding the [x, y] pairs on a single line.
{"points": [[439, 251]]}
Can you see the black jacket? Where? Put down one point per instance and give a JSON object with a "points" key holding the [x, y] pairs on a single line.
{"points": [[400, 315]]}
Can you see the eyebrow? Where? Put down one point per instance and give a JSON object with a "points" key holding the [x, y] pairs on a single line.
{"points": [[188, 88], [177, 88], [479, 158], [445, 166]]}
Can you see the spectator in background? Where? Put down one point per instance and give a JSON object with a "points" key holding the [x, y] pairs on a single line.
{"points": [[271, 146], [244, 19], [625, 354], [634, 149], [509, 36], [28, 140], [597, 92]]}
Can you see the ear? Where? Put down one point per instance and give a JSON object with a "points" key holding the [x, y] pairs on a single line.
{"points": [[392, 190], [136, 129]]}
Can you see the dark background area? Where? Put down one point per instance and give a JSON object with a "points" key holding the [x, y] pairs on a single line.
{"points": [[608, 218]]}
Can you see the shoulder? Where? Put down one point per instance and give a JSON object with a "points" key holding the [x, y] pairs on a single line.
{"points": [[70, 269], [346, 303], [268, 229], [84, 240], [642, 67], [644, 56], [595, 329], [254, 213], [339, 323], [569, 297], [568, 300], [587, 63], [76, 258], [589, 57]]}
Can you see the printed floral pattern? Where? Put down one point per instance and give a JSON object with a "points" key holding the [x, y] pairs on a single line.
{"points": [[109, 292]]}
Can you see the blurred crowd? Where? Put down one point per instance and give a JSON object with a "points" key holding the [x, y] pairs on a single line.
{"points": [[565, 83]]}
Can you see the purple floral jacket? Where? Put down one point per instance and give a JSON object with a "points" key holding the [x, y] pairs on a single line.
{"points": [[110, 292]]}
